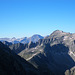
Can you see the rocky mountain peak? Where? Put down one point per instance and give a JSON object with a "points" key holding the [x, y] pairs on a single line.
{"points": [[59, 33]]}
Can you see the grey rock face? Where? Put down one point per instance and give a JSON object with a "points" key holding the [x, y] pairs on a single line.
{"points": [[71, 71], [17, 47], [31, 45]]}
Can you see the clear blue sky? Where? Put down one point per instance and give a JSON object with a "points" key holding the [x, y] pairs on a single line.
{"points": [[20, 18]]}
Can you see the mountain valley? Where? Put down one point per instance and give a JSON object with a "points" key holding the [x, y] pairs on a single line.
{"points": [[51, 55]]}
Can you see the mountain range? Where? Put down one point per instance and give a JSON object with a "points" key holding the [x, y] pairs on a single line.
{"points": [[23, 40], [51, 55]]}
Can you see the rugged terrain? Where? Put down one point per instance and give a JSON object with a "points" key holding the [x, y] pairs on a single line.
{"points": [[53, 55]]}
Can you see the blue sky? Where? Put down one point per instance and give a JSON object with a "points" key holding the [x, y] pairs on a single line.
{"points": [[20, 18]]}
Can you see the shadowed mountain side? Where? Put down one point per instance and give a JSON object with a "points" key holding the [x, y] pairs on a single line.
{"points": [[12, 64], [54, 58], [7, 43], [40, 62], [18, 47]]}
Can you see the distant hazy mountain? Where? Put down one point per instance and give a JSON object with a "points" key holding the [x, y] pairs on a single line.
{"points": [[12, 64], [35, 38], [24, 40]]}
